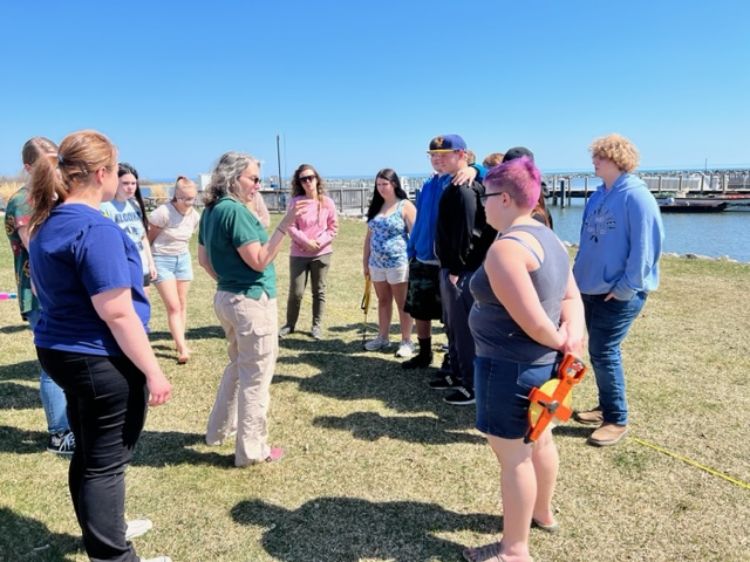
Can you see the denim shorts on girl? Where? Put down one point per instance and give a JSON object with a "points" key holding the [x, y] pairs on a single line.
{"points": [[179, 267], [502, 389]]}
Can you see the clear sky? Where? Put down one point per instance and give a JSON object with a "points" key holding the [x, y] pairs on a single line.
{"points": [[356, 86]]}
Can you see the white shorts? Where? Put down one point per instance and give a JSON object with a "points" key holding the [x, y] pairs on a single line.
{"points": [[393, 275]]}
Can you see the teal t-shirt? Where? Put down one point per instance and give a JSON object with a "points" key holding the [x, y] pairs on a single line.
{"points": [[224, 227], [18, 214]]}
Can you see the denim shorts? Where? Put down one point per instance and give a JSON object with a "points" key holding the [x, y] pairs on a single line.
{"points": [[179, 267], [502, 389]]}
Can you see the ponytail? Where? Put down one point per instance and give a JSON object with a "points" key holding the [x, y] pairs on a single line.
{"points": [[46, 192], [80, 155]]}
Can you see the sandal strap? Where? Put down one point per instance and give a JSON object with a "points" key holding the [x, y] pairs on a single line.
{"points": [[487, 553]]}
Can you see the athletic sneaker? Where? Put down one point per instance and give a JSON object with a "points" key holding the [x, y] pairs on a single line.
{"points": [[445, 366], [285, 330], [445, 382], [405, 350], [138, 527], [62, 443], [317, 333], [461, 397], [157, 559], [377, 344]]}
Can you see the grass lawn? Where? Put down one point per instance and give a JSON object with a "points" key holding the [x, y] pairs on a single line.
{"points": [[379, 468]]}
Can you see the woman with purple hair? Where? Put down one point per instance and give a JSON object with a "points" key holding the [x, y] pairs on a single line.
{"points": [[527, 310]]}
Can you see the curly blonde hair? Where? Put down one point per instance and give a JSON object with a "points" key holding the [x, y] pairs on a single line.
{"points": [[618, 150]]}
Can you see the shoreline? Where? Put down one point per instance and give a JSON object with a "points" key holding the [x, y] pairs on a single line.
{"points": [[685, 256]]}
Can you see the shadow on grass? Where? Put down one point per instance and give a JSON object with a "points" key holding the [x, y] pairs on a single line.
{"points": [[346, 529], [579, 431], [162, 448], [371, 426], [18, 397], [372, 326], [14, 329], [345, 375], [23, 538], [203, 332], [22, 442], [25, 370]]}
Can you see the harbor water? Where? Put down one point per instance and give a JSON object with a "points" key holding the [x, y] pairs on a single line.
{"points": [[710, 234]]}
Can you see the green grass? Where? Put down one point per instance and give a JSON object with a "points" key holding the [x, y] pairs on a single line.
{"points": [[378, 468]]}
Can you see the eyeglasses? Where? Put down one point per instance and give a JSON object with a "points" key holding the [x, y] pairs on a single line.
{"points": [[484, 196], [254, 179], [305, 179]]}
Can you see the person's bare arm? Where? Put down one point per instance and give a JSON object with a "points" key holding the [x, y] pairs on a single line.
{"points": [[205, 263], [153, 232], [115, 308]]}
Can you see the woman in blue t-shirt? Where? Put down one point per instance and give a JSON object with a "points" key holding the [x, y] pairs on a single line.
{"points": [[91, 336], [389, 220]]}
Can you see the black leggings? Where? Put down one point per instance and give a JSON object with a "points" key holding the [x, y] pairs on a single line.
{"points": [[107, 401]]}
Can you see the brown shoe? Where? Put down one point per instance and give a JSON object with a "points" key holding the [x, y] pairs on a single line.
{"points": [[607, 434], [589, 417]]}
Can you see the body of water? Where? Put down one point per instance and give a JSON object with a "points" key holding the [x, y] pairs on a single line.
{"points": [[711, 234]]}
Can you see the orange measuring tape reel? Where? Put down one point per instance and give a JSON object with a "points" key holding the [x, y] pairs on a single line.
{"points": [[553, 400]]}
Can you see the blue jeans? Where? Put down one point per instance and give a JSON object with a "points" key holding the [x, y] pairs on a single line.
{"points": [[53, 397], [608, 324]]}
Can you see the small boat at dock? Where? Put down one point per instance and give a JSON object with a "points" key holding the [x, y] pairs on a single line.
{"points": [[689, 205]]}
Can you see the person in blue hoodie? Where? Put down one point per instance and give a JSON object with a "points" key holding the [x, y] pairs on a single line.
{"points": [[423, 293], [617, 266]]}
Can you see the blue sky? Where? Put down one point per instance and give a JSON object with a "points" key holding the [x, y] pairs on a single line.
{"points": [[356, 86]]}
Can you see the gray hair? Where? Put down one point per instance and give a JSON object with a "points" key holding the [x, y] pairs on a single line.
{"points": [[225, 175]]}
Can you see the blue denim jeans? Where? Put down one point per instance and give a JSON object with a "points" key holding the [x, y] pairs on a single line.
{"points": [[608, 324], [53, 397]]}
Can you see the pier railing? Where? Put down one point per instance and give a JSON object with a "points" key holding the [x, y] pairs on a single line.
{"points": [[352, 197]]}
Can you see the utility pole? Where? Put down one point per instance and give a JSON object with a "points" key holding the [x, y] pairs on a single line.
{"points": [[278, 160]]}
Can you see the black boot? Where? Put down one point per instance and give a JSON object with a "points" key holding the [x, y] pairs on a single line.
{"points": [[423, 359]]}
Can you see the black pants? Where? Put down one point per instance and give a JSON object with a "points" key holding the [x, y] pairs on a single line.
{"points": [[107, 401], [457, 302]]}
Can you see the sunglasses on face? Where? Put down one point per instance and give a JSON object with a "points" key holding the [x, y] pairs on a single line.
{"points": [[254, 179], [305, 179]]}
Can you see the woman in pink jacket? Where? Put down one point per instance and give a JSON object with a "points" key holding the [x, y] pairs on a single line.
{"points": [[312, 235]]}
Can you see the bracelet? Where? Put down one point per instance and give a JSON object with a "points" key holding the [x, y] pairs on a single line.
{"points": [[283, 232]]}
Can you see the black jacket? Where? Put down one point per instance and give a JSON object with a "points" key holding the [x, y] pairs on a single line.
{"points": [[462, 235]]}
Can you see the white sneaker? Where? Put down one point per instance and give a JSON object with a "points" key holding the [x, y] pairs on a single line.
{"points": [[377, 344], [406, 349], [138, 527], [157, 559]]}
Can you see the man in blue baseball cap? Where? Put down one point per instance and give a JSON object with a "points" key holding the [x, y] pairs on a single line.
{"points": [[423, 297]]}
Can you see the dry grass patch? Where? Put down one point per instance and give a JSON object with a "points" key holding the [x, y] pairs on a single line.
{"points": [[378, 468]]}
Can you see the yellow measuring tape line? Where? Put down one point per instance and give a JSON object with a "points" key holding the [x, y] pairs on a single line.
{"points": [[712, 471]]}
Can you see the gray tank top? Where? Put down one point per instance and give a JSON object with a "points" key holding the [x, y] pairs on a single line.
{"points": [[496, 334]]}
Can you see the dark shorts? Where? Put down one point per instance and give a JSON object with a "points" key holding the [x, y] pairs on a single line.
{"points": [[423, 294], [502, 390]]}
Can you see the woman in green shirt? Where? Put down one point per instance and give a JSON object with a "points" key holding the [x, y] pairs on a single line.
{"points": [[236, 251]]}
